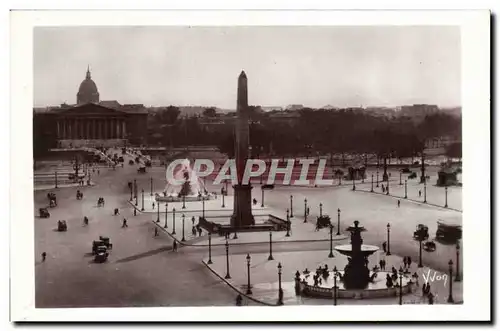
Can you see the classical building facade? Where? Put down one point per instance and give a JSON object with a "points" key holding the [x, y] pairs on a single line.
{"points": [[90, 122]]}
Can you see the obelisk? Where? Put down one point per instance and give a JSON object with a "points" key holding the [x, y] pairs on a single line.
{"points": [[242, 213]]}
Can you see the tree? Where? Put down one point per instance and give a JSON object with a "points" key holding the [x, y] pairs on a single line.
{"points": [[168, 115]]}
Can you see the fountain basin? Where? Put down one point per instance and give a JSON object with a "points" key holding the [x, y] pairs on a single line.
{"points": [[377, 289], [366, 250]]}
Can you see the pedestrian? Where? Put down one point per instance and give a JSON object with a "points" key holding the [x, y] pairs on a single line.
{"points": [[192, 220], [381, 264], [419, 193], [135, 212], [98, 171], [384, 246], [200, 231], [174, 246], [117, 212], [399, 203], [428, 288], [308, 210], [408, 260], [156, 231], [430, 298], [44, 256], [239, 300], [124, 223]]}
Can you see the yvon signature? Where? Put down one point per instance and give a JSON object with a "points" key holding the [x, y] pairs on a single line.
{"points": [[428, 278]]}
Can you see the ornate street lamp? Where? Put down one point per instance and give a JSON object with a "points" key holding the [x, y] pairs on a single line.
{"points": [[320, 210], [388, 239], [262, 198], [270, 246], [55, 174], [223, 202], [203, 206], [377, 179], [400, 285], [291, 206], [209, 248], [338, 222], [166, 215], [406, 189], [142, 207], [372, 184], [183, 202], [173, 218], [280, 290], [400, 174], [249, 291], [305, 210], [450, 270], [387, 190], [151, 193], [425, 190], [331, 241], [353, 184], [457, 272], [135, 188], [335, 285], [446, 197], [131, 192], [228, 276], [183, 238]]}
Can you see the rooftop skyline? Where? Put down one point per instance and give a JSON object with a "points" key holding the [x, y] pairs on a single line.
{"points": [[313, 66]]}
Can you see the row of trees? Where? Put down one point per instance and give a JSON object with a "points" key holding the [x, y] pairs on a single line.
{"points": [[313, 131]]}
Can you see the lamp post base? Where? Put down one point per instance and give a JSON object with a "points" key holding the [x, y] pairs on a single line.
{"points": [[330, 255]]}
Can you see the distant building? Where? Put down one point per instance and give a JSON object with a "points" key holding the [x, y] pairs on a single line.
{"points": [[294, 107], [381, 111], [418, 112], [91, 122]]}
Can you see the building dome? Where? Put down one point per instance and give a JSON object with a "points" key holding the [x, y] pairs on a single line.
{"points": [[87, 93]]}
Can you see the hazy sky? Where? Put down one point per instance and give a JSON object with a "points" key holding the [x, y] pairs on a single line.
{"points": [[314, 66]]}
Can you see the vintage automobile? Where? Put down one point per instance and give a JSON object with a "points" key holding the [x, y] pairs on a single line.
{"points": [[423, 231], [79, 195], [406, 170], [105, 241], [148, 163], [268, 186], [121, 159], [141, 170], [323, 222], [62, 226], [131, 162], [44, 213], [101, 254], [98, 244], [412, 175], [448, 233]]}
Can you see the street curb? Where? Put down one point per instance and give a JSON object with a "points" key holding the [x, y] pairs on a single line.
{"points": [[343, 237], [412, 200], [186, 211], [236, 289]]}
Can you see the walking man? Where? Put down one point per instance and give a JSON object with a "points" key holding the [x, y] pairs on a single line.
{"points": [[124, 224], [174, 246], [384, 246], [153, 205], [399, 203], [419, 193], [156, 231], [44, 256]]}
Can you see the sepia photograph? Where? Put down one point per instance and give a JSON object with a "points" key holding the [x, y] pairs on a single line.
{"points": [[201, 165]]}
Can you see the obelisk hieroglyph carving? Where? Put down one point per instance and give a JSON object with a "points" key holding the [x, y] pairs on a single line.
{"points": [[242, 214]]}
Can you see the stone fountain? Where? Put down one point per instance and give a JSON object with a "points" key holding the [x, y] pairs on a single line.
{"points": [[356, 273]]}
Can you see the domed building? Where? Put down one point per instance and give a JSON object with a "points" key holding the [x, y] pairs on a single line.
{"points": [[91, 122], [87, 93]]}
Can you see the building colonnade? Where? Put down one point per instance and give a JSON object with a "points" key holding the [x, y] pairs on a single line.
{"points": [[91, 128]]}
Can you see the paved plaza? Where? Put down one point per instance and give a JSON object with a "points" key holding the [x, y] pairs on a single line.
{"points": [[144, 271]]}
